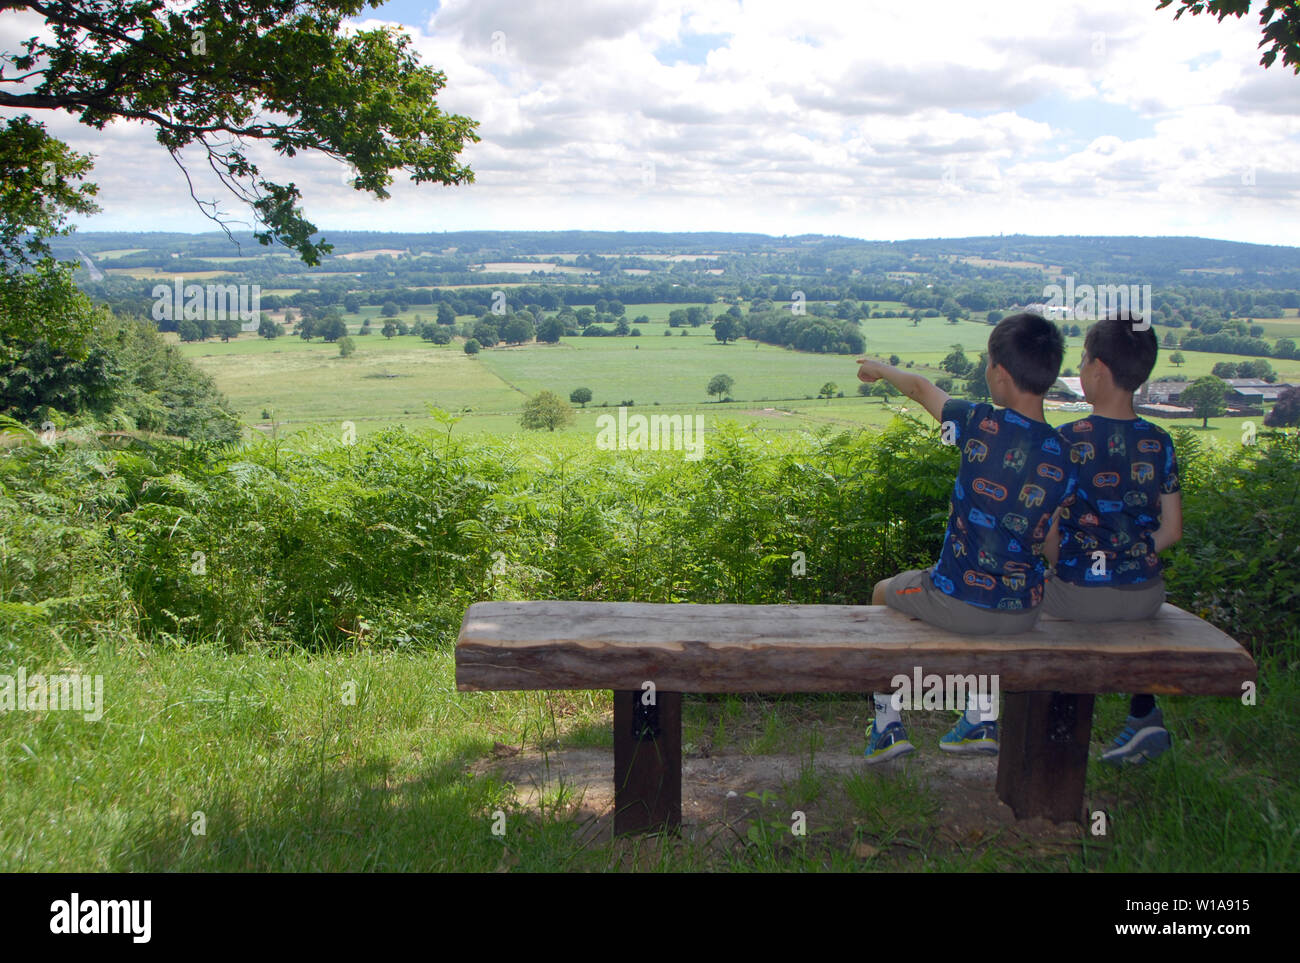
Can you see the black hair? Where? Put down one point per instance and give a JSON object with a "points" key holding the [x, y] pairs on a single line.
{"points": [[1031, 348], [1129, 353]]}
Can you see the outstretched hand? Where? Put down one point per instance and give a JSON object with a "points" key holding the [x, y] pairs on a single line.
{"points": [[869, 370]]}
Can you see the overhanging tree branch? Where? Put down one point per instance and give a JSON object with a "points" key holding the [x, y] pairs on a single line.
{"points": [[280, 72], [1281, 33]]}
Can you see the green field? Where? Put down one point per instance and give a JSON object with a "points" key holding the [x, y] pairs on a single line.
{"points": [[301, 382], [152, 273], [394, 381], [1288, 327]]}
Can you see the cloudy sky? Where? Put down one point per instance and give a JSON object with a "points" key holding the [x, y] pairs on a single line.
{"points": [[876, 120]]}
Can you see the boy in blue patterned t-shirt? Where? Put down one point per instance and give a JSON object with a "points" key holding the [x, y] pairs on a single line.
{"points": [[1126, 508], [1014, 472]]}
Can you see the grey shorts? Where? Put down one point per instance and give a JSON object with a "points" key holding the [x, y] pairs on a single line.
{"points": [[1103, 603], [913, 593]]}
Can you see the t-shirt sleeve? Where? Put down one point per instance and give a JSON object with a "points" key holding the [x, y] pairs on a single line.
{"points": [[1169, 476], [960, 413]]}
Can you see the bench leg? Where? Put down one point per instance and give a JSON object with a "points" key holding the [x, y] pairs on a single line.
{"points": [[1043, 754], [647, 762]]}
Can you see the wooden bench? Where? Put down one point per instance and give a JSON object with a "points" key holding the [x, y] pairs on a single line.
{"points": [[1047, 677]]}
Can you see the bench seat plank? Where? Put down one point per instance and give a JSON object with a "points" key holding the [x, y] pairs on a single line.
{"points": [[827, 648]]}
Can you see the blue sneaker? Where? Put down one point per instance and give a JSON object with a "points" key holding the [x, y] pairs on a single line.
{"points": [[973, 737], [1142, 739], [888, 744]]}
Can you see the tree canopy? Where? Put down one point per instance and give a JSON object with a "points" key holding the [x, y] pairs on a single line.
{"points": [[547, 410], [1205, 396], [1279, 18], [977, 385], [1287, 410], [720, 385], [221, 76]]}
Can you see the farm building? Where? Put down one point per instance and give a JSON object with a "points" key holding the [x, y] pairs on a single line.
{"points": [[1253, 391], [1067, 389]]}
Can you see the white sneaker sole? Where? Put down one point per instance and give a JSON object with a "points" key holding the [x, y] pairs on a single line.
{"points": [[893, 752], [971, 748], [1145, 745]]}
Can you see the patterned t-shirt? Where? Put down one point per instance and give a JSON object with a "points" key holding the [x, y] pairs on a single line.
{"points": [[1013, 474], [1124, 467]]}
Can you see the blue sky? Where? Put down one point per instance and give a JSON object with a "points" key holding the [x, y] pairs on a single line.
{"points": [[877, 120]]}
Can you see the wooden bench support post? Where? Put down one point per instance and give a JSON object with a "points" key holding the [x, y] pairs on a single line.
{"points": [[647, 762], [1043, 754]]}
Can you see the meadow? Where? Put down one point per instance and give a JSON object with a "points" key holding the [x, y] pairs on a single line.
{"points": [[393, 381]]}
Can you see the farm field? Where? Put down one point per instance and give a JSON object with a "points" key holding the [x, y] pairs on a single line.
{"points": [[247, 259], [152, 273], [528, 267], [1288, 327], [394, 381], [302, 383]]}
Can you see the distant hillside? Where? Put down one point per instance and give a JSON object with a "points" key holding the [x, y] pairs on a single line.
{"points": [[484, 243], [1168, 259], [1162, 261]]}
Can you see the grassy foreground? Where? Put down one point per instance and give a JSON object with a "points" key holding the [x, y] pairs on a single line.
{"points": [[353, 761], [221, 595]]}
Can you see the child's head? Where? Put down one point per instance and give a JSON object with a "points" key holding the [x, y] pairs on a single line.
{"points": [[1030, 349], [1127, 355]]}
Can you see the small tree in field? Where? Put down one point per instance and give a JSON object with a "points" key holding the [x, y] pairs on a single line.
{"points": [[726, 328], [1177, 359], [883, 390], [1205, 396], [332, 328], [956, 362], [828, 390], [721, 386], [228, 328], [580, 396], [346, 347], [547, 410]]}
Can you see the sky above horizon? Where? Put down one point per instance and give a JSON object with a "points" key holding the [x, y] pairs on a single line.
{"points": [[872, 120]]}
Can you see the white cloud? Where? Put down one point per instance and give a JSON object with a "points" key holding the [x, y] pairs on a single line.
{"points": [[876, 120]]}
